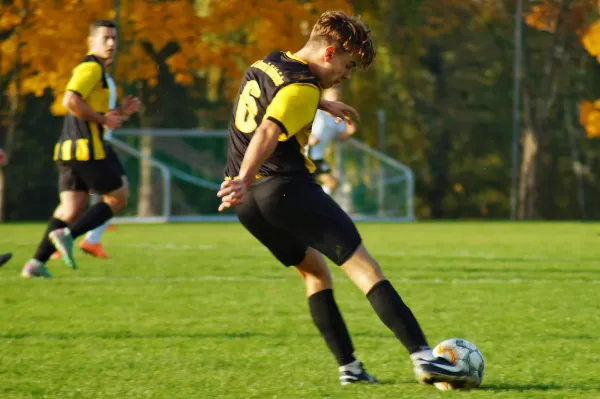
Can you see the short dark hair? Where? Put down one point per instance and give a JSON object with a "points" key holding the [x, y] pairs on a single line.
{"points": [[347, 32], [101, 23]]}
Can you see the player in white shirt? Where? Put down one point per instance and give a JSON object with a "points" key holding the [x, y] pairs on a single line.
{"points": [[326, 129]]}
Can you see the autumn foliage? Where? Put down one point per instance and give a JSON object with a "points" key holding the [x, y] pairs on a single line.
{"points": [[582, 19], [42, 40]]}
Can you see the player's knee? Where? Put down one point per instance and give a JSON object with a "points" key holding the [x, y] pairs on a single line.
{"points": [[317, 282], [68, 213], [117, 200]]}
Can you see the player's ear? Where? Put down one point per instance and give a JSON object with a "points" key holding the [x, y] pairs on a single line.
{"points": [[329, 52]]}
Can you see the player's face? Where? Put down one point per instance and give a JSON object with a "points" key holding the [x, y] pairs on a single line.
{"points": [[338, 66], [103, 44]]}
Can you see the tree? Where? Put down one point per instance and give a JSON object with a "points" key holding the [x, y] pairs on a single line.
{"points": [[165, 45]]}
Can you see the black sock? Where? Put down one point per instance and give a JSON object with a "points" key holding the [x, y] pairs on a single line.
{"points": [[94, 217], [328, 319], [45, 249], [397, 316]]}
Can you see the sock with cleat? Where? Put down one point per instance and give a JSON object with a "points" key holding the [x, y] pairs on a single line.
{"points": [[45, 249], [328, 319], [397, 316], [94, 217], [93, 236]]}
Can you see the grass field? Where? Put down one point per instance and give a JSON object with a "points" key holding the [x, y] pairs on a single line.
{"points": [[202, 311]]}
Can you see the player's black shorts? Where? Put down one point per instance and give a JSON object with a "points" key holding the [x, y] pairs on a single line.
{"points": [[112, 156], [95, 176], [322, 167], [289, 214]]}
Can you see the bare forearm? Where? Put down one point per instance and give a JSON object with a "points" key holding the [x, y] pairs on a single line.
{"points": [[261, 147], [78, 107]]}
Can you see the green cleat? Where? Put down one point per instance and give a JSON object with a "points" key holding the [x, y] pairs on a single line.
{"points": [[35, 269], [63, 242]]}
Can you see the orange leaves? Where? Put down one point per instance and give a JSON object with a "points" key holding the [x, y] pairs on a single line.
{"points": [[48, 37], [544, 16], [589, 117], [591, 40], [44, 42]]}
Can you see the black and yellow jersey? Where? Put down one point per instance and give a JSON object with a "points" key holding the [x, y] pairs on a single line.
{"points": [[83, 140], [282, 89]]}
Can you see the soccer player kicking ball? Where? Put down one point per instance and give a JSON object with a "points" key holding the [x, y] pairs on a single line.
{"points": [[269, 182]]}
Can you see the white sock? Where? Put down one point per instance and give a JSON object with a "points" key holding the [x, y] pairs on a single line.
{"points": [[326, 189], [93, 236], [34, 262]]}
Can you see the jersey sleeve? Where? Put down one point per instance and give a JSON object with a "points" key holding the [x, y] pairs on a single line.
{"points": [[85, 77], [293, 107]]}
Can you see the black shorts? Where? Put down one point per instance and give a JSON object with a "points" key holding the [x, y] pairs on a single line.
{"points": [[112, 157], [288, 215], [322, 167], [96, 176]]}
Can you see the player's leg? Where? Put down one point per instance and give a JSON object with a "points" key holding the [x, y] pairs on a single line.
{"points": [[73, 197], [366, 274], [317, 278], [91, 243], [102, 177], [327, 318], [323, 225]]}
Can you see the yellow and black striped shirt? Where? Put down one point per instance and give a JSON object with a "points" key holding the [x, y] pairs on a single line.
{"points": [[280, 88], [83, 140]]}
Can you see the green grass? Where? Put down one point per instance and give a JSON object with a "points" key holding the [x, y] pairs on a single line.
{"points": [[210, 314]]}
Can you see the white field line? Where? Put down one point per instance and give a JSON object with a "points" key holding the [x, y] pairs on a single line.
{"points": [[430, 253], [182, 279], [475, 255]]}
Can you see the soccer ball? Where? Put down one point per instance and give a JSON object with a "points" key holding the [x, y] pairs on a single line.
{"points": [[463, 353]]}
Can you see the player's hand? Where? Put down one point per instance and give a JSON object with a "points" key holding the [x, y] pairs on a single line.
{"points": [[130, 105], [339, 109], [2, 157], [232, 193], [112, 120]]}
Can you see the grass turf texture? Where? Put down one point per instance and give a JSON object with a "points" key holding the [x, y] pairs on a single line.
{"points": [[204, 311]]}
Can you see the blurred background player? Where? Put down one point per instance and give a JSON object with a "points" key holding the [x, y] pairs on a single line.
{"points": [[327, 128], [84, 165], [91, 243]]}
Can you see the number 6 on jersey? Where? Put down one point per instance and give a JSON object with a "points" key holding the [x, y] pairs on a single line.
{"points": [[245, 115]]}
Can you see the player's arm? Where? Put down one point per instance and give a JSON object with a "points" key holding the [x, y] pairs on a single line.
{"points": [[347, 129], [76, 105], [85, 77], [262, 145], [338, 109], [292, 109], [130, 106]]}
